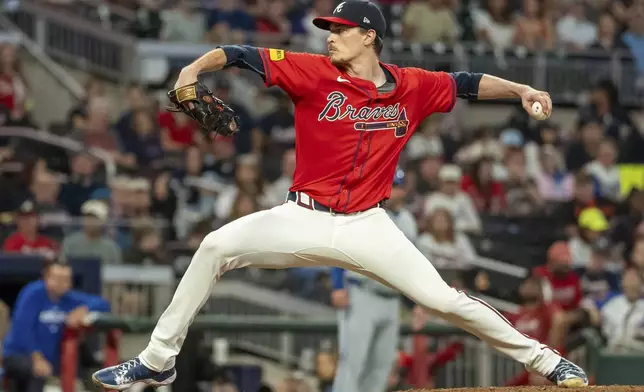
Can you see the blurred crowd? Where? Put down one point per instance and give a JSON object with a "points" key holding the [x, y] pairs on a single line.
{"points": [[573, 25], [173, 185]]}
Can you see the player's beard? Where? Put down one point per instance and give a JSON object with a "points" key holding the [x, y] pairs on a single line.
{"points": [[337, 60]]}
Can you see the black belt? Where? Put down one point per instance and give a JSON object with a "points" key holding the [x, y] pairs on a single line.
{"points": [[316, 206]]}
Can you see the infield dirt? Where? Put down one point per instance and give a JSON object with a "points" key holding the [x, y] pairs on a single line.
{"points": [[595, 388]]}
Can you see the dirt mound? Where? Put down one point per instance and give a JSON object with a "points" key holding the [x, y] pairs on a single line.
{"points": [[597, 388]]}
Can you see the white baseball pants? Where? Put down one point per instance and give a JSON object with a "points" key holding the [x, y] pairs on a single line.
{"points": [[367, 242]]}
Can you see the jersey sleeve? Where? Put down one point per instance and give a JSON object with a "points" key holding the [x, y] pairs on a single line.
{"points": [[295, 73], [437, 91]]}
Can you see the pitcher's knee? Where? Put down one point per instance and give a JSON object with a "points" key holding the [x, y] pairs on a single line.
{"points": [[214, 250], [211, 242]]}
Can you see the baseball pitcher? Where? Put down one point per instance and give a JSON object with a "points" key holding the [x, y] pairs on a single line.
{"points": [[353, 116]]}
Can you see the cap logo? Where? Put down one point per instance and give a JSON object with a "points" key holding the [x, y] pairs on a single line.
{"points": [[339, 8], [365, 20]]}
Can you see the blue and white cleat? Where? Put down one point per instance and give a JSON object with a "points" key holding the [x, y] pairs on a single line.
{"points": [[568, 375], [126, 374]]}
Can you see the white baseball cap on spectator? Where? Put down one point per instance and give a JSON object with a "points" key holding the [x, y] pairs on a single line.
{"points": [[512, 137], [95, 208], [420, 147], [450, 173]]}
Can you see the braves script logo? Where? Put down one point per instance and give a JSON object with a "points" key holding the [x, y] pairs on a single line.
{"points": [[380, 118]]}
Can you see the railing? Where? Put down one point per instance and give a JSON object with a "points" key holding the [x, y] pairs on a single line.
{"points": [[61, 142], [10, 37], [564, 75], [119, 56], [238, 299], [235, 298], [76, 41], [70, 353], [138, 290], [466, 371], [480, 262], [54, 69], [477, 365]]}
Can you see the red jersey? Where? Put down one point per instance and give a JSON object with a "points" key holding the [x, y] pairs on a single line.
{"points": [[348, 136], [566, 291], [535, 321], [179, 133], [43, 246], [7, 92], [265, 25], [491, 199]]}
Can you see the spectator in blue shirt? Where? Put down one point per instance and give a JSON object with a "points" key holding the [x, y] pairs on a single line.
{"points": [[81, 183], [231, 14], [145, 143], [32, 346]]}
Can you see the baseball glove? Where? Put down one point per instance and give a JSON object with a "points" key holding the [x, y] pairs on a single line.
{"points": [[198, 102]]}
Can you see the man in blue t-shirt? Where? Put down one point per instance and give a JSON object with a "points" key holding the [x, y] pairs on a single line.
{"points": [[44, 307]]}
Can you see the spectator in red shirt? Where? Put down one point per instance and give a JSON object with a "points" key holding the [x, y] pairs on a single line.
{"points": [[536, 317], [27, 239], [561, 284], [487, 194], [12, 85], [273, 19], [177, 130], [541, 320]]}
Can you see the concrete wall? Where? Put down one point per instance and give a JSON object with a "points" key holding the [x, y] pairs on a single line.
{"points": [[52, 101]]}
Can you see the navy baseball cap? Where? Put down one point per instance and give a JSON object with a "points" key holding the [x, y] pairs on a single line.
{"points": [[399, 177], [355, 13]]}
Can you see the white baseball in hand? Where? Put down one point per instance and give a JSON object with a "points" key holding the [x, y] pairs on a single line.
{"points": [[537, 111]]}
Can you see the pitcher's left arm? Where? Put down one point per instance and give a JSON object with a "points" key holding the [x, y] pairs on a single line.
{"points": [[477, 86], [492, 87], [443, 88]]}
